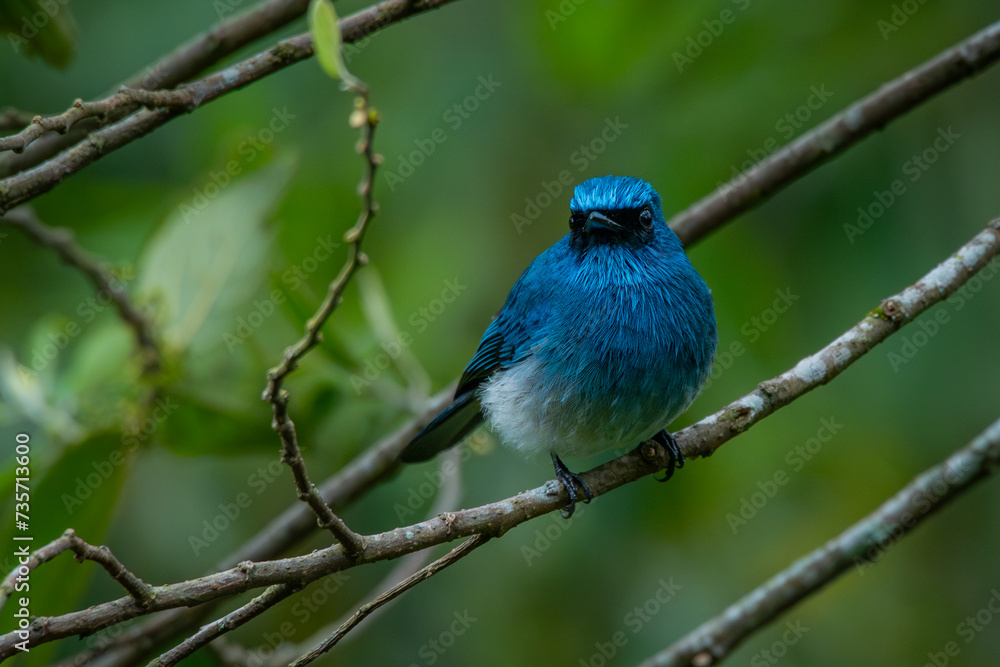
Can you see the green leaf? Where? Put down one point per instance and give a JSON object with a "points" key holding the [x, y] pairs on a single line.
{"points": [[205, 265], [327, 42], [39, 29]]}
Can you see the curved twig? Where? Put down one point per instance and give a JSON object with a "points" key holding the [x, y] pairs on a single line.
{"points": [[274, 393], [61, 240], [141, 592]]}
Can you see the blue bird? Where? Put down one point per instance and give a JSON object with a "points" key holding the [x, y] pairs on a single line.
{"points": [[604, 340]]}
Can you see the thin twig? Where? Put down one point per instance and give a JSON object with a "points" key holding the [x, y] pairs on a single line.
{"points": [[184, 62], [704, 437], [30, 183], [447, 498], [141, 593], [836, 135], [858, 546], [14, 119], [497, 518], [61, 241], [211, 46], [450, 558], [270, 597], [370, 467], [114, 106], [274, 392]]}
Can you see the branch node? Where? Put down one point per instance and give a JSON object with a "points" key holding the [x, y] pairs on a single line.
{"points": [[892, 310], [703, 659]]}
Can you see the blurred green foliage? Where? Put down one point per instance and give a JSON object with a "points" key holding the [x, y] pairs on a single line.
{"points": [[229, 222]]}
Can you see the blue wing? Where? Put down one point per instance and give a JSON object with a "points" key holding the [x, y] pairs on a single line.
{"points": [[464, 414], [489, 357], [505, 342]]}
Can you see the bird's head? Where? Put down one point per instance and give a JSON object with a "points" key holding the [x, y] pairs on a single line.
{"points": [[615, 210]]}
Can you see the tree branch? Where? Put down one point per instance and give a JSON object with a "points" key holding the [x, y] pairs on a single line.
{"points": [[449, 496], [115, 106], [495, 519], [270, 597], [211, 46], [33, 182], [858, 546], [836, 135], [61, 241], [183, 63], [368, 468], [366, 117], [706, 436], [141, 592], [13, 119], [450, 558]]}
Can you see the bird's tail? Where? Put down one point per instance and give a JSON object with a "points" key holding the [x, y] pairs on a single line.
{"points": [[454, 423]]}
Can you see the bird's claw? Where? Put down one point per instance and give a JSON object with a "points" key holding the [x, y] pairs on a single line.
{"points": [[676, 460], [570, 480]]}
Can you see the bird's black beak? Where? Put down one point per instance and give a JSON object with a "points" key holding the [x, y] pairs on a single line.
{"points": [[597, 221]]}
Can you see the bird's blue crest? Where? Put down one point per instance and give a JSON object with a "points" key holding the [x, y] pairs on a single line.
{"points": [[607, 193]]}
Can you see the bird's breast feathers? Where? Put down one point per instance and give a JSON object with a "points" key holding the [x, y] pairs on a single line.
{"points": [[609, 366]]}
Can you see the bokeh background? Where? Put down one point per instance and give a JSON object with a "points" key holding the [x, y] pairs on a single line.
{"points": [[444, 249]]}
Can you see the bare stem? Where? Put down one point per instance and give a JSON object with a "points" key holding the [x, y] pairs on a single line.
{"points": [[61, 241], [836, 135], [858, 546], [450, 558], [270, 597], [141, 592]]}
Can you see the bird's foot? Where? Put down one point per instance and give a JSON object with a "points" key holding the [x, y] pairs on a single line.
{"points": [[676, 460], [570, 480]]}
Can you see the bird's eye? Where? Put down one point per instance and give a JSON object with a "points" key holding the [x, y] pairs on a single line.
{"points": [[577, 220], [646, 218]]}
